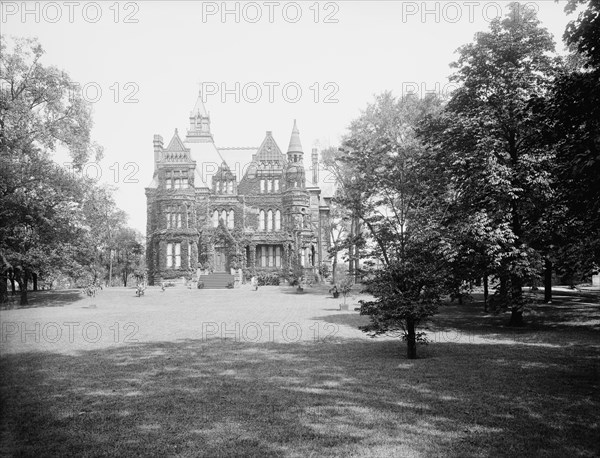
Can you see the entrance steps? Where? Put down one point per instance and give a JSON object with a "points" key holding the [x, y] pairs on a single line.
{"points": [[217, 280]]}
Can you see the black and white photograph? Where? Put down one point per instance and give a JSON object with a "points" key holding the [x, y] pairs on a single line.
{"points": [[300, 228]]}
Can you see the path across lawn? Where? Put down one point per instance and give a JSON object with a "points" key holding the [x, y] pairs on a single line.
{"points": [[273, 373]]}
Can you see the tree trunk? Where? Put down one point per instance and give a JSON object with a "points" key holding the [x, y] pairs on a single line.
{"points": [[485, 292], [34, 277], [12, 284], [334, 269], [3, 287], [411, 339], [517, 303], [548, 282], [23, 287]]}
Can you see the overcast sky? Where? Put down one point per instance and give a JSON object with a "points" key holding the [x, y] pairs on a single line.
{"points": [[331, 58]]}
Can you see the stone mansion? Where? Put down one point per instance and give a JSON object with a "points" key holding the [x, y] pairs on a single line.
{"points": [[212, 209]]}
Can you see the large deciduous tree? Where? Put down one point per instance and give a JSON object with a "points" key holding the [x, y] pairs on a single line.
{"points": [[490, 144], [387, 186]]}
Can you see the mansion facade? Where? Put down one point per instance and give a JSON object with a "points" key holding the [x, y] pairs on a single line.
{"points": [[213, 209]]}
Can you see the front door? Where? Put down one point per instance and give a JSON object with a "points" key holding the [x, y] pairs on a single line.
{"points": [[220, 260]]}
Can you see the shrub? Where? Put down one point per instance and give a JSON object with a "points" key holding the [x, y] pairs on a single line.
{"points": [[265, 279], [200, 285]]}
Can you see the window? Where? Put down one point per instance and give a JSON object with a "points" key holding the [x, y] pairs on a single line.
{"points": [[277, 220], [215, 218], [270, 221], [178, 220], [303, 257], [177, 255], [269, 185], [189, 253], [230, 187], [269, 256], [168, 217], [262, 185], [177, 183], [224, 216], [218, 187], [169, 255], [261, 220], [230, 219], [277, 256], [276, 185], [168, 183]]}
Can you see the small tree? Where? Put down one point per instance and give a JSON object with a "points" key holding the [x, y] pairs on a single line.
{"points": [[345, 287]]}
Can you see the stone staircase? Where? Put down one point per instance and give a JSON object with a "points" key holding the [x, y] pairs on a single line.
{"points": [[218, 280]]}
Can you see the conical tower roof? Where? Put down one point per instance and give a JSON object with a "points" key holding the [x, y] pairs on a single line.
{"points": [[295, 144], [199, 108]]}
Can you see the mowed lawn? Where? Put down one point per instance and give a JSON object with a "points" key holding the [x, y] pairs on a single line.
{"points": [[272, 373]]}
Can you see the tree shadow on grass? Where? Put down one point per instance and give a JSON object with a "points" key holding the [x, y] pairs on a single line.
{"points": [[566, 320], [345, 398], [51, 298]]}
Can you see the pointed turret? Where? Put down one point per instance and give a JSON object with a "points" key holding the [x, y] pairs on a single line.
{"points": [[294, 151], [199, 131], [294, 174]]}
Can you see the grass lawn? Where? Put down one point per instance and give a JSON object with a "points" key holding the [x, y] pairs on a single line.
{"points": [[273, 373]]}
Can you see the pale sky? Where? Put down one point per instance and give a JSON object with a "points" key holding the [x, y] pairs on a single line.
{"points": [[343, 51]]}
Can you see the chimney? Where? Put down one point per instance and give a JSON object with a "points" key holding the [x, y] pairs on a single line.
{"points": [[315, 166], [158, 147]]}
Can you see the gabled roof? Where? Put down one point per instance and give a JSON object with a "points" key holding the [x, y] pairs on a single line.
{"points": [[268, 150], [176, 145]]}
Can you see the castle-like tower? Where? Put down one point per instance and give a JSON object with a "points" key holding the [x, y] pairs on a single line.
{"points": [[216, 209]]}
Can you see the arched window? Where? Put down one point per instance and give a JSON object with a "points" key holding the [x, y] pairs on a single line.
{"points": [[269, 185], [224, 216], [261, 220], [230, 219], [270, 221], [215, 218], [277, 220]]}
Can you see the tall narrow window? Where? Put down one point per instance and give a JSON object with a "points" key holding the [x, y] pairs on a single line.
{"points": [[224, 216], [169, 255], [189, 255], [270, 221], [276, 185], [230, 187], [262, 185], [230, 219], [263, 256], [277, 220], [168, 219], [270, 262], [168, 183], [178, 215], [303, 257], [177, 255], [277, 256], [261, 220], [177, 183], [218, 187], [269, 185]]}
